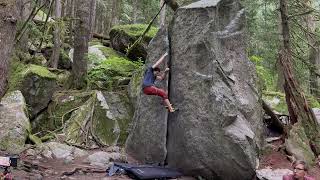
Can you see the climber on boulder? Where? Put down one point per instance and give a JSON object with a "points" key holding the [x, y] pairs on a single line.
{"points": [[154, 73]]}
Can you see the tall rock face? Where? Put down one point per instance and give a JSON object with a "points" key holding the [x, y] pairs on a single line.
{"points": [[147, 139], [217, 131]]}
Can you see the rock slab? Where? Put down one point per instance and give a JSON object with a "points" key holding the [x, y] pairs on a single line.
{"points": [[14, 124], [219, 125]]}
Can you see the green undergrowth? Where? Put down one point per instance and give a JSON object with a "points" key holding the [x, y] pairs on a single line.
{"points": [[266, 78], [95, 42], [277, 101]]}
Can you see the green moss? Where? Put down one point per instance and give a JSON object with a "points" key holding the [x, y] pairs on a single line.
{"points": [[41, 15], [75, 125], [136, 30], [124, 123], [15, 74], [64, 57], [37, 59], [40, 71], [313, 102], [94, 42], [59, 111], [104, 128], [136, 79], [63, 105], [36, 140], [111, 70], [110, 53], [281, 107], [19, 70], [298, 142], [12, 145]]}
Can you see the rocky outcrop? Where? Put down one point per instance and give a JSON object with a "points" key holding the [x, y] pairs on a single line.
{"points": [[298, 145], [37, 85], [15, 123], [147, 140], [88, 117], [216, 133]]}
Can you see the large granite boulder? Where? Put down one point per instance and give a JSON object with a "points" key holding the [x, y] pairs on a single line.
{"points": [[147, 140], [217, 132], [15, 123]]}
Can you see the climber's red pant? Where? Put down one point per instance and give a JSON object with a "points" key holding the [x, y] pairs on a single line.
{"points": [[152, 90]]}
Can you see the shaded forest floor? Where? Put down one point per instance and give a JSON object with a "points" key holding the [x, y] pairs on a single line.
{"points": [[37, 169], [277, 159], [33, 168]]}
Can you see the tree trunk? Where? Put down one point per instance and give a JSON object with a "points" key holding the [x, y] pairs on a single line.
{"points": [[309, 22], [162, 14], [115, 13], [135, 7], [79, 65], [299, 110], [280, 79], [24, 9], [93, 4], [8, 20], [54, 59], [315, 70]]}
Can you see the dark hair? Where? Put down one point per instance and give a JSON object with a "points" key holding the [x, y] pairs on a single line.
{"points": [[156, 69]]}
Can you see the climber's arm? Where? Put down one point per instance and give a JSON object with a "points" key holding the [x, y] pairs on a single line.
{"points": [[159, 61]]}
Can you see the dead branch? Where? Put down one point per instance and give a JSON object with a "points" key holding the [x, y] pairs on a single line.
{"points": [[100, 36]]}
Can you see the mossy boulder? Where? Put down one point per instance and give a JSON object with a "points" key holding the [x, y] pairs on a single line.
{"points": [[123, 36], [26, 58], [105, 116], [298, 145], [36, 83], [59, 110], [15, 125], [102, 116], [113, 73]]}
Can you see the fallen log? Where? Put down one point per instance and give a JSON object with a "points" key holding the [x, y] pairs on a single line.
{"points": [[100, 36], [275, 121]]}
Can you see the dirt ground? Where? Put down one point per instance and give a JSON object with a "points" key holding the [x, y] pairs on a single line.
{"points": [[277, 159], [34, 168], [31, 168]]}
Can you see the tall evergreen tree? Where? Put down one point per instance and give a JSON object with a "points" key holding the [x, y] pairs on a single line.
{"points": [[8, 18]]}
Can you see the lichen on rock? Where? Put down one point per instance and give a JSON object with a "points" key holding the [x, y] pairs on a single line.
{"points": [[15, 123]]}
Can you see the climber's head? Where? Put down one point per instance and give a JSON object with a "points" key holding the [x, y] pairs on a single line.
{"points": [[300, 169], [156, 71]]}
